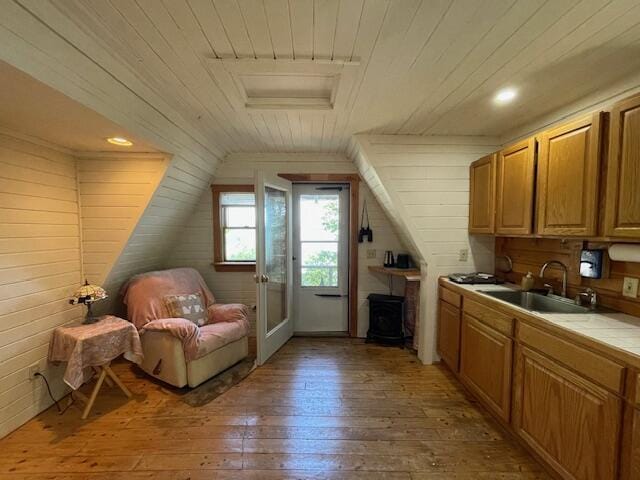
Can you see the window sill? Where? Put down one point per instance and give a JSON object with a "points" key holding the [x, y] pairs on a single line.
{"points": [[234, 266]]}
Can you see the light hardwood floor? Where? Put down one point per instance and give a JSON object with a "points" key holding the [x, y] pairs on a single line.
{"points": [[320, 409]]}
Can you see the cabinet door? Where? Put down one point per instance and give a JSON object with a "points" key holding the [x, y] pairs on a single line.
{"points": [[622, 217], [634, 458], [515, 176], [630, 458], [449, 335], [482, 195], [486, 363], [570, 422], [568, 176]]}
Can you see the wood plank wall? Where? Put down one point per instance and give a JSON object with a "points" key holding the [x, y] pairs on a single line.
{"points": [[530, 254], [39, 270], [196, 245], [163, 223], [423, 184], [132, 207], [114, 192]]}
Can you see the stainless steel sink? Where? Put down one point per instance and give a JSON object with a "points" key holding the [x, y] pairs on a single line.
{"points": [[537, 303]]}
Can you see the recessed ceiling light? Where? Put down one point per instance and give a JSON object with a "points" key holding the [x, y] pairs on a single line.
{"points": [[505, 95], [120, 141]]}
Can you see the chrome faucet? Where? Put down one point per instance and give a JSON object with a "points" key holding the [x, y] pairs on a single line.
{"points": [[590, 295], [564, 275]]}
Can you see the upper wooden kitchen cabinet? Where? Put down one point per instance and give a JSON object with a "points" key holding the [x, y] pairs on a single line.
{"points": [[482, 195], [515, 175], [568, 178], [622, 214]]}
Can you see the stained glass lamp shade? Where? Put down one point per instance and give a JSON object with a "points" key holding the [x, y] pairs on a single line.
{"points": [[87, 294]]}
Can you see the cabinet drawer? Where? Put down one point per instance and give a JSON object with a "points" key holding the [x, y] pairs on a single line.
{"points": [[450, 297], [599, 369], [495, 319]]}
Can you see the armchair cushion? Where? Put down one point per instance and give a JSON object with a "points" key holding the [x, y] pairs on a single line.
{"points": [[230, 312], [217, 335], [199, 341]]}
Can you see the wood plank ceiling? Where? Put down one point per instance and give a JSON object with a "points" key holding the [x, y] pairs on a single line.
{"points": [[426, 66]]}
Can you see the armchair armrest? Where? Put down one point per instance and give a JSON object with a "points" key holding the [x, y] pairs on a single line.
{"points": [[185, 330], [229, 312]]}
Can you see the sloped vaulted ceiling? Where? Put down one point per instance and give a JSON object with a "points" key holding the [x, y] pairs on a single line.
{"points": [[422, 67], [426, 67]]}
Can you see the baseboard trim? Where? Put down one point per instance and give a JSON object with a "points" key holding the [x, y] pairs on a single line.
{"points": [[320, 334]]}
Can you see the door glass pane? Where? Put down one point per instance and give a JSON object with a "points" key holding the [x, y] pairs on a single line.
{"points": [[319, 264], [275, 219], [319, 233], [319, 276], [323, 254], [240, 245], [319, 217]]}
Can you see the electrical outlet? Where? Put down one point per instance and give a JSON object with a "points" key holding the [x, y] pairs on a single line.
{"points": [[371, 253], [630, 287], [33, 369], [463, 255]]}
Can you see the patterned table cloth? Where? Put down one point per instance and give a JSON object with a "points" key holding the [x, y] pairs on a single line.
{"points": [[86, 346]]}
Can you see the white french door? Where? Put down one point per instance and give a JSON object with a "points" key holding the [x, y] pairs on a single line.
{"points": [[273, 264]]}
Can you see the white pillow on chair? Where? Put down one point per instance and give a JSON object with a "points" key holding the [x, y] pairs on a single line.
{"points": [[188, 306]]}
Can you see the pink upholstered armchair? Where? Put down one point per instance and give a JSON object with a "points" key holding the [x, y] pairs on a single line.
{"points": [[176, 350]]}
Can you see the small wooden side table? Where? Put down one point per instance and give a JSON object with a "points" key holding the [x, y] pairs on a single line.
{"points": [[89, 349]]}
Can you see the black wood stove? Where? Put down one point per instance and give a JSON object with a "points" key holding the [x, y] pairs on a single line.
{"points": [[386, 314]]}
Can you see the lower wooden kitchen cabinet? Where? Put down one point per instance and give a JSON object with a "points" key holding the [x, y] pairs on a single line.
{"points": [[449, 335], [569, 421], [631, 455], [485, 364], [630, 448], [576, 407]]}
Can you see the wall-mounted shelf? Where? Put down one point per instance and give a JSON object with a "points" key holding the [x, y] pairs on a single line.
{"points": [[409, 274]]}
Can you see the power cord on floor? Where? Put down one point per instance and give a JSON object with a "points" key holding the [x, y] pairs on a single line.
{"points": [[60, 410]]}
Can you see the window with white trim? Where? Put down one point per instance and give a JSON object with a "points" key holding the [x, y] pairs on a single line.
{"points": [[234, 229]]}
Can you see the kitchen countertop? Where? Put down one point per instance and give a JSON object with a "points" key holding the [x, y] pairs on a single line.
{"points": [[614, 329]]}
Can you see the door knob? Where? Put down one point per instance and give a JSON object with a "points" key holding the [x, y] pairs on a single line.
{"points": [[264, 278], [256, 279]]}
